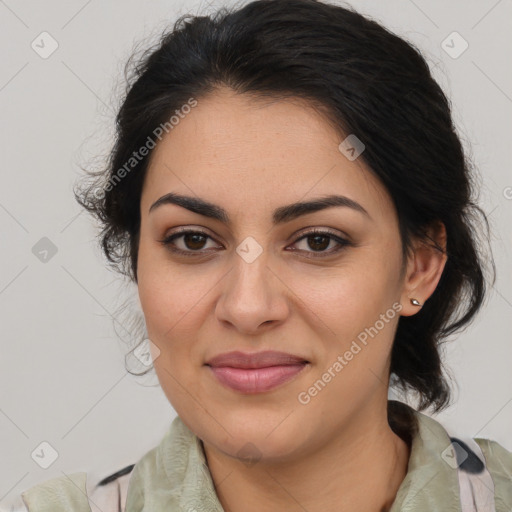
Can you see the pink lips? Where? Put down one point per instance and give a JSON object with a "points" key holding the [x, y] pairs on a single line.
{"points": [[257, 372]]}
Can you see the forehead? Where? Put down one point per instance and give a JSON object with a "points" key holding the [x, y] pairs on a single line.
{"points": [[255, 154]]}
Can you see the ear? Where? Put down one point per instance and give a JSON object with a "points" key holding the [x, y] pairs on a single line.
{"points": [[425, 265]]}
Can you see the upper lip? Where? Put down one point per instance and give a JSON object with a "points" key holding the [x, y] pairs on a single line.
{"points": [[263, 359]]}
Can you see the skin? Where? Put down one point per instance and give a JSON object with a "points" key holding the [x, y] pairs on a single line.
{"points": [[248, 156]]}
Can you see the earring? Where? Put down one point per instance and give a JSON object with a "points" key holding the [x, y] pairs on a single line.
{"points": [[414, 302]]}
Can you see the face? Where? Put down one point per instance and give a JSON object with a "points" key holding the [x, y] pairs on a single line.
{"points": [[320, 284]]}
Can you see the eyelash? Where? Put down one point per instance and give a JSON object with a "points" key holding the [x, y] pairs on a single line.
{"points": [[167, 242]]}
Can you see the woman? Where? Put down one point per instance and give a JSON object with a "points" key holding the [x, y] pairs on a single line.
{"points": [[289, 194]]}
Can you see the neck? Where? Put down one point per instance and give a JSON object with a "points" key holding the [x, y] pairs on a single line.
{"points": [[361, 469]]}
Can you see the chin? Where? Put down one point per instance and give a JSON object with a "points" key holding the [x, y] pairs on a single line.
{"points": [[255, 436], [251, 450]]}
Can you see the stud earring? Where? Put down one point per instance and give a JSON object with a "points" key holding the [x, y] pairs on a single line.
{"points": [[414, 302]]}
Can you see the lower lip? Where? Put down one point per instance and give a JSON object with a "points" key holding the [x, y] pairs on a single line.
{"points": [[255, 380]]}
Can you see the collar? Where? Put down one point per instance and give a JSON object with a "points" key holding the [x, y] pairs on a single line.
{"points": [[175, 476]]}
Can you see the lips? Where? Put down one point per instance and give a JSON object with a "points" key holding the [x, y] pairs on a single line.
{"points": [[255, 373], [255, 360]]}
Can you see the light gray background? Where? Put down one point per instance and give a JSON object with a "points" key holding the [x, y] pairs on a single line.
{"points": [[62, 367]]}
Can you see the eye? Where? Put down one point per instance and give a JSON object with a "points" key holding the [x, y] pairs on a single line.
{"points": [[194, 241], [319, 240]]}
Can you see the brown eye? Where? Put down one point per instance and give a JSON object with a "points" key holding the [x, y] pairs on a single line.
{"points": [[319, 241], [193, 241]]}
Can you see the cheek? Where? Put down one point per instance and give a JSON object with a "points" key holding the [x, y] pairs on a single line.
{"points": [[348, 298], [173, 301], [168, 310], [355, 311], [163, 290], [358, 313]]}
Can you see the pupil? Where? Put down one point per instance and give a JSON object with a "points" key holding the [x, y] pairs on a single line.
{"points": [[195, 238], [317, 238]]}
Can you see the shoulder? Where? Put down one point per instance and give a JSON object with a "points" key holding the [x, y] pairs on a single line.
{"points": [[498, 461], [77, 491], [496, 456], [68, 492], [470, 470], [83, 492]]}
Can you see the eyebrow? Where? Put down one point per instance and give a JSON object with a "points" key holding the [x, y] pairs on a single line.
{"points": [[281, 215]]}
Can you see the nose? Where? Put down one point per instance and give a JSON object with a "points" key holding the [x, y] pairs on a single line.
{"points": [[252, 297]]}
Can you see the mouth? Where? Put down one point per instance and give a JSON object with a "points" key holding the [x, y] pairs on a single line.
{"points": [[257, 372]]}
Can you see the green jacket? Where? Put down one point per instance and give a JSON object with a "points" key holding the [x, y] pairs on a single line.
{"points": [[174, 477]]}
